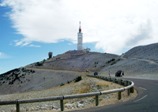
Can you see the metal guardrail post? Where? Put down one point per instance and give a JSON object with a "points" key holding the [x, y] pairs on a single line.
{"points": [[62, 105], [119, 95], [132, 89], [128, 92], [17, 106], [97, 100]]}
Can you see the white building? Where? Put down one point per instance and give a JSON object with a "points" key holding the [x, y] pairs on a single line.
{"points": [[80, 38]]}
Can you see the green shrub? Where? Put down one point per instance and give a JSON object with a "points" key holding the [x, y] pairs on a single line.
{"points": [[79, 78], [38, 64], [61, 84], [96, 63], [112, 60]]}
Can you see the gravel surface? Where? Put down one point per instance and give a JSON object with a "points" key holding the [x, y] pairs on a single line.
{"points": [[55, 76], [87, 84], [40, 79]]}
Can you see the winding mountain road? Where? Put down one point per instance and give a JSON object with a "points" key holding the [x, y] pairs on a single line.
{"points": [[146, 101]]}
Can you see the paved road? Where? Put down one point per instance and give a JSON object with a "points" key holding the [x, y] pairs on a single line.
{"points": [[146, 101]]}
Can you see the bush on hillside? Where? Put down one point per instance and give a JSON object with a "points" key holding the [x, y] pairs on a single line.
{"points": [[112, 60], [38, 64], [79, 78]]}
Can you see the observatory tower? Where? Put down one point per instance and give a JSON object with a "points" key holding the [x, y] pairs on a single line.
{"points": [[80, 38]]}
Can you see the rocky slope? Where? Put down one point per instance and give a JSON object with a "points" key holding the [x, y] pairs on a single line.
{"points": [[24, 80], [87, 84], [139, 61], [53, 72], [144, 52], [77, 61]]}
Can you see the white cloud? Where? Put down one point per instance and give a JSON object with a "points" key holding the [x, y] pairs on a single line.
{"points": [[113, 25], [22, 42], [33, 45]]}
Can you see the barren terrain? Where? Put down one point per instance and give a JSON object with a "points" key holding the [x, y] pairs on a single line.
{"points": [[58, 75], [87, 84]]}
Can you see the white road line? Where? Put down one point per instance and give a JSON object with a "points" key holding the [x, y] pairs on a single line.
{"points": [[141, 98], [143, 88]]}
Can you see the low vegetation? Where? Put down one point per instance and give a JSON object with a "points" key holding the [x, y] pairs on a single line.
{"points": [[15, 75], [113, 61], [87, 84], [52, 77]]}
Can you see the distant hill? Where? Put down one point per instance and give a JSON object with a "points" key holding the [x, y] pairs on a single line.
{"points": [[24, 80], [53, 72], [140, 61], [144, 52], [77, 61]]}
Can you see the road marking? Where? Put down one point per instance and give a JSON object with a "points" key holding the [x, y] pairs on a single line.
{"points": [[141, 98], [143, 88]]}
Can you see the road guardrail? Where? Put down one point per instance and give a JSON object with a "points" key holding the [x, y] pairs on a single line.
{"points": [[128, 85]]}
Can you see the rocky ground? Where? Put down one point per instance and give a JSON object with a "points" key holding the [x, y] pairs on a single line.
{"points": [[77, 61], [56, 76], [139, 62], [24, 79], [86, 84]]}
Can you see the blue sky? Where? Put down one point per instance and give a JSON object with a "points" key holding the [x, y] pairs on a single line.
{"points": [[12, 56], [29, 29]]}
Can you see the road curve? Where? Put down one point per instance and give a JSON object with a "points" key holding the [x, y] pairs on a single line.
{"points": [[146, 101]]}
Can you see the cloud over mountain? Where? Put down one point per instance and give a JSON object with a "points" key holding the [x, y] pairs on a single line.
{"points": [[114, 26]]}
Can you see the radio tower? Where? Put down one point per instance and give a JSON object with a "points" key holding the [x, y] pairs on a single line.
{"points": [[80, 38]]}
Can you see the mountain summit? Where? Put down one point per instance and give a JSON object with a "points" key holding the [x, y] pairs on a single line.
{"points": [[141, 61]]}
